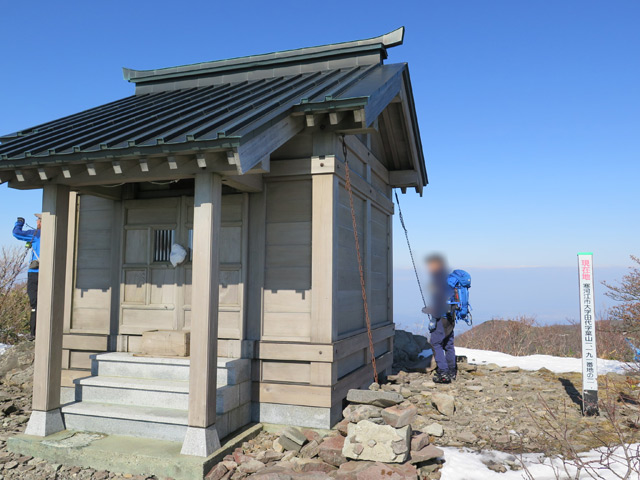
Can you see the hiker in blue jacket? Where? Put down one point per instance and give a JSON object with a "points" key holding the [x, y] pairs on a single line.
{"points": [[32, 237], [442, 322]]}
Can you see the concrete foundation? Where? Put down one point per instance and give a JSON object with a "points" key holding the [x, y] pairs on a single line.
{"points": [[126, 455]]}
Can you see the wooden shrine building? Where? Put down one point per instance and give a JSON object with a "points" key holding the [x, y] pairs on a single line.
{"points": [[240, 162]]}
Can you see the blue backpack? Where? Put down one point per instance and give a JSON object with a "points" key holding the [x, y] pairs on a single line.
{"points": [[460, 281]]}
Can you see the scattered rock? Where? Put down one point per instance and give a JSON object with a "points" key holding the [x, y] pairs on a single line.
{"points": [[267, 456], [379, 471], [496, 467], [310, 450], [342, 426], [444, 402], [391, 444], [295, 435], [357, 413], [435, 430], [419, 440], [399, 415], [511, 369], [467, 437], [370, 397], [289, 444], [216, 473], [330, 450], [430, 452], [251, 466]]}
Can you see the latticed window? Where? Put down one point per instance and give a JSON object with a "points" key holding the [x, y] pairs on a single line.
{"points": [[163, 239]]}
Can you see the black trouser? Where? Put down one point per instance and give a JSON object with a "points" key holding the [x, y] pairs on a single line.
{"points": [[32, 292]]}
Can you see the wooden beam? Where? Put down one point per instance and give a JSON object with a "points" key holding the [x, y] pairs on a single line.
{"points": [[173, 164], [42, 174], [282, 393], [253, 150], [144, 165], [117, 167], [408, 120], [311, 120], [244, 183], [201, 160], [404, 178], [294, 351], [345, 347], [361, 378], [336, 117], [379, 101], [233, 158], [110, 193], [367, 156]]}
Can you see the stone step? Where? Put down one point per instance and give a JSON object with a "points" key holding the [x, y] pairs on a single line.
{"points": [[146, 422], [143, 392], [231, 371], [118, 364]]}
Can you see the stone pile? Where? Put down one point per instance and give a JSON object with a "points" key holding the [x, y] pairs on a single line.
{"points": [[378, 429]]}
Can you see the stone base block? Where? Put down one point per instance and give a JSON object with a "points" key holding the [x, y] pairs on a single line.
{"points": [[313, 417], [200, 442], [43, 424]]}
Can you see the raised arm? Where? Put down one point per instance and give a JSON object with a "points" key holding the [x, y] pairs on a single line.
{"points": [[20, 234]]}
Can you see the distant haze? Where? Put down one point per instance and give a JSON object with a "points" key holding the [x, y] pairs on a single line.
{"points": [[550, 294]]}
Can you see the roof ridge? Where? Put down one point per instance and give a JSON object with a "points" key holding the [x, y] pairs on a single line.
{"points": [[282, 58]]}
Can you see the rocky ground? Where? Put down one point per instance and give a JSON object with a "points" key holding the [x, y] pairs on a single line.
{"points": [[403, 421]]}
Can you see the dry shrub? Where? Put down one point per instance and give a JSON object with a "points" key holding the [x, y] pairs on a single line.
{"points": [[614, 437], [524, 336], [14, 303], [627, 293]]}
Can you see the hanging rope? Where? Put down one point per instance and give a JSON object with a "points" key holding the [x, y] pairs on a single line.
{"points": [[406, 234], [347, 186]]}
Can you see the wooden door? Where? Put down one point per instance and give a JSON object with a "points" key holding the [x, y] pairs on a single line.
{"points": [[156, 295], [150, 290]]}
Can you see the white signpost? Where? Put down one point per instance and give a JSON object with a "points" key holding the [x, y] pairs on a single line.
{"points": [[588, 324]]}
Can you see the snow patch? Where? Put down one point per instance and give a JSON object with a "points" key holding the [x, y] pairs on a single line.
{"points": [[535, 362], [464, 464], [3, 348]]}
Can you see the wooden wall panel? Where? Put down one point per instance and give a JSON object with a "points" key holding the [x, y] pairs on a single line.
{"points": [[91, 310], [380, 279], [287, 264], [350, 310]]}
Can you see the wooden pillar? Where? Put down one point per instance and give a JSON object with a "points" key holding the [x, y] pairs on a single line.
{"points": [[323, 242], [46, 417], [323, 258], [202, 437]]}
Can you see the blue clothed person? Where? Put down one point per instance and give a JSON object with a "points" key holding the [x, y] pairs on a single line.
{"points": [[32, 237], [442, 324]]}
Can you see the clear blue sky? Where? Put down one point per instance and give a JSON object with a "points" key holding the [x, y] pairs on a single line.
{"points": [[529, 111]]}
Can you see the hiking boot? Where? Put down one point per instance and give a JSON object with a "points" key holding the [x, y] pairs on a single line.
{"points": [[453, 374], [30, 337], [441, 377]]}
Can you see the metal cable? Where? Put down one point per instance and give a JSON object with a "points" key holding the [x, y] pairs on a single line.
{"points": [[406, 234]]}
